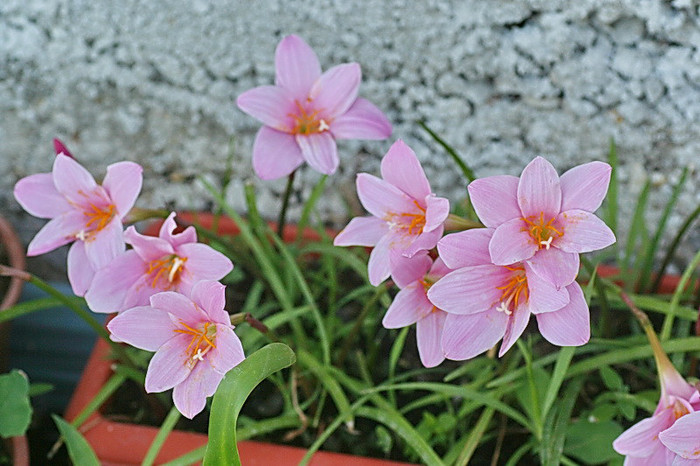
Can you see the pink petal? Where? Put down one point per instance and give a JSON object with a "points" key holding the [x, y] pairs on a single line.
{"points": [[401, 168], [361, 121], [143, 327], [583, 232], [470, 335], [423, 242], [556, 266], [272, 105], [405, 271], [682, 437], [188, 235], [378, 265], [439, 269], [72, 180], [139, 294], [80, 272], [409, 306], [539, 190], [190, 395], [429, 337], [466, 248], [517, 322], [275, 154], [210, 295], [570, 325], [584, 187], [203, 262], [296, 66], [228, 352], [336, 90], [59, 231], [680, 461], [511, 243], [61, 148], [495, 199], [362, 231], [319, 151], [168, 367], [468, 290], [543, 295], [106, 244], [39, 197], [381, 198], [180, 306], [123, 184], [436, 212], [641, 439], [112, 282], [149, 248]]}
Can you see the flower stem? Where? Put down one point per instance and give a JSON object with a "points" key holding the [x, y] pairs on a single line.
{"points": [[456, 223], [285, 203]]}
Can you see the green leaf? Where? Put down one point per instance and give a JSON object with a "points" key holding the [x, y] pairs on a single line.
{"points": [[232, 393], [591, 442], [15, 409], [611, 379], [560, 368], [466, 171], [79, 449]]}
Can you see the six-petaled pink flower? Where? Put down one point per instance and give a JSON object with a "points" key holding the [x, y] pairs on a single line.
{"points": [[411, 306], [169, 262], [487, 302], [306, 111], [670, 436], [406, 216], [193, 339], [543, 219], [81, 211]]}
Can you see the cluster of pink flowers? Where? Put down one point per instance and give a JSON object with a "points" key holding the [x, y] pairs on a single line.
{"points": [[164, 289], [486, 282]]}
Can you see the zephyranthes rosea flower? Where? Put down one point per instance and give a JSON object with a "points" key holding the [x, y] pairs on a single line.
{"points": [[411, 306], [193, 339], [543, 219], [406, 216], [81, 211], [487, 302], [169, 262], [670, 436], [306, 111]]}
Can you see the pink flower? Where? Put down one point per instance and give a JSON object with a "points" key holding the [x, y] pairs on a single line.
{"points": [[670, 436], [170, 262], [487, 302], [61, 148], [406, 216], [411, 306], [306, 111], [543, 219], [193, 339], [81, 210]]}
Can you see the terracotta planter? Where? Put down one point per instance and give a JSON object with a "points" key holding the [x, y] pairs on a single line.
{"points": [[13, 248], [118, 443], [667, 286]]}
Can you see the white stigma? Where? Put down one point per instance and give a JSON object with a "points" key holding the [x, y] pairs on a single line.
{"points": [[81, 235], [177, 263], [323, 126], [199, 355], [547, 243], [503, 307]]}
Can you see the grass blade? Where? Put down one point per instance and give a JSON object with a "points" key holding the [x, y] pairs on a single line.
{"points": [[560, 368], [673, 246], [79, 449], [468, 173], [232, 393], [475, 437], [611, 206], [165, 429]]}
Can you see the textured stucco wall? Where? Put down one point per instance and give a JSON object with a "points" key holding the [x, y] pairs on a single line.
{"points": [[503, 81]]}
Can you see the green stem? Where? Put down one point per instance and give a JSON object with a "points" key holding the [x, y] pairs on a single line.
{"points": [[165, 429], [285, 203], [457, 223], [358, 324]]}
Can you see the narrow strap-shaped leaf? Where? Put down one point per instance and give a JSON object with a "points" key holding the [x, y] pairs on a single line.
{"points": [[27, 307], [105, 392], [475, 437], [552, 445], [468, 173], [560, 368], [329, 383], [79, 449], [685, 278], [165, 429], [232, 393], [673, 246]]}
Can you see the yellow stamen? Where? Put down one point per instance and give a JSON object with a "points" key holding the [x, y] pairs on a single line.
{"points": [[202, 340], [514, 292], [543, 233], [168, 266], [97, 219], [416, 221], [307, 123]]}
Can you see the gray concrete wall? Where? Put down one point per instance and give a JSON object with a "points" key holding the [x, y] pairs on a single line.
{"points": [[503, 81]]}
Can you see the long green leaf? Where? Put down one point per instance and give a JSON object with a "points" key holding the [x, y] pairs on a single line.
{"points": [[232, 393], [685, 278], [468, 173], [309, 205], [552, 445], [611, 201], [105, 392], [560, 368], [79, 449], [637, 226], [475, 437], [673, 246], [330, 384], [165, 429], [27, 307]]}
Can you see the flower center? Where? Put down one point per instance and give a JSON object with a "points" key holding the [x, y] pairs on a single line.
{"points": [[514, 291], [96, 219], [201, 343], [307, 123], [679, 410], [542, 232], [411, 223], [167, 267]]}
